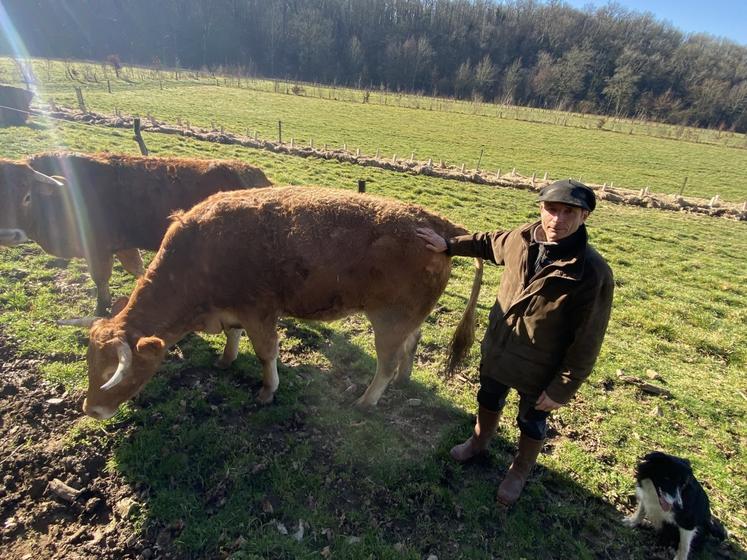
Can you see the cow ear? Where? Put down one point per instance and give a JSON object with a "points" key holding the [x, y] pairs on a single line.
{"points": [[119, 305], [48, 185], [45, 189], [150, 345]]}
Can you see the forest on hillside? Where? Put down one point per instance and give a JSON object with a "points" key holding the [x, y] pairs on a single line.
{"points": [[607, 60]]}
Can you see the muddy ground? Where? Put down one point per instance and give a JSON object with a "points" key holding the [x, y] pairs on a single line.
{"points": [[57, 499]]}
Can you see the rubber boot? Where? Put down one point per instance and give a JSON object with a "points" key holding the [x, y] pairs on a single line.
{"points": [[487, 422], [517, 475]]}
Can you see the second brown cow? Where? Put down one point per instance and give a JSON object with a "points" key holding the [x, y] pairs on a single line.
{"points": [[101, 205]]}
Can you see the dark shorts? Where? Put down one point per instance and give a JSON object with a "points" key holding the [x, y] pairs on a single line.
{"points": [[532, 422]]}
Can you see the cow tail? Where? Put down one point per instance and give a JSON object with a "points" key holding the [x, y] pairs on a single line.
{"points": [[464, 336]]}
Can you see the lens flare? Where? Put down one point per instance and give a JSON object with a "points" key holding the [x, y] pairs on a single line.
{"points": [[75, 226]]}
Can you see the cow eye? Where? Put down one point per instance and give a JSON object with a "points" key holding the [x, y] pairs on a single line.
{"points": [[27, 199]]}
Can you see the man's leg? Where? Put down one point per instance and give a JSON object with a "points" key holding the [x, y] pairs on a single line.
{"points": [[491, 399], [533, 426]]}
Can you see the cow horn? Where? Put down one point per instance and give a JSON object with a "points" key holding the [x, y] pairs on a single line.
{"points": [[77, 321], [47, 179], [125, 361]]}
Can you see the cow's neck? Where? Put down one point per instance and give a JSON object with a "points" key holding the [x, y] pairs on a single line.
{"points": [[162, 309]]}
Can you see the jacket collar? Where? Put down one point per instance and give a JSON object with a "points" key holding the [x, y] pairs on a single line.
{"points": [[571, 259]]}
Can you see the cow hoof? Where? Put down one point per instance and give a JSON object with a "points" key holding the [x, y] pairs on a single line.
{"points": [[364, 404], [265, 396], [401, 379]]}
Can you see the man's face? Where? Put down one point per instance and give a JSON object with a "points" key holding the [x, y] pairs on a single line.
{"points": [[561, 220]]}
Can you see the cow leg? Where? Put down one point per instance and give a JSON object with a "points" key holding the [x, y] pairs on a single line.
{"points": [[264, 338], [100, 267], [404, 368], [131, 261], [391, 331], [231, 350]]}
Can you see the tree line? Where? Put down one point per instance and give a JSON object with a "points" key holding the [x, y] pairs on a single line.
{"points": [[607, 60]]}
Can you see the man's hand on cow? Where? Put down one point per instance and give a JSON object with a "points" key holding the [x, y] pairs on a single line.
{"points": [[546, 404], [433, 241]]}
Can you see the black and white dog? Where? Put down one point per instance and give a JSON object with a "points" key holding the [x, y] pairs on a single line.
{"points": [[671, 498]]}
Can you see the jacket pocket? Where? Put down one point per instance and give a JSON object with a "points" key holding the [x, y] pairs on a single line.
{"points": [[532, 354]]}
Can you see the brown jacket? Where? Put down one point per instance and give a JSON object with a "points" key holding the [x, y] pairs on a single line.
{"points": [[544, 333]]}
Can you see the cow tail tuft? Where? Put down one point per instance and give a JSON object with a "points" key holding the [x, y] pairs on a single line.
{"points": [[177, 216], [464, 336]]}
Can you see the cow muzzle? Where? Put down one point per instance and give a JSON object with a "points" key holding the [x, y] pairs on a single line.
{"points": [[12, 237], [98, 412]]}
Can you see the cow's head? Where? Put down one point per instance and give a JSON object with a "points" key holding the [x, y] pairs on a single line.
{"points": [[19, 186], [120, 363]]}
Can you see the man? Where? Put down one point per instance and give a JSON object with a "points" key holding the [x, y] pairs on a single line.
{"points": [[547, 325]]}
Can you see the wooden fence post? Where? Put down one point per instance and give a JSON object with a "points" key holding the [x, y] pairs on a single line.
{"points": [[684, 184], [139, 137], [361, 185], [280, 132], [81, 103]]}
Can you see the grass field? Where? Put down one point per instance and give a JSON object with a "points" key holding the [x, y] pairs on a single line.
{"points": [[596, 149], [380, 484]]}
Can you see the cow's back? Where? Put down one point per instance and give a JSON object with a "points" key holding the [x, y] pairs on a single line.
{"points": [[311, 252], [128, 199]]}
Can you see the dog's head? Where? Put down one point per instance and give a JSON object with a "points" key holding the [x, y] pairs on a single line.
{"points": [[668, 474]]}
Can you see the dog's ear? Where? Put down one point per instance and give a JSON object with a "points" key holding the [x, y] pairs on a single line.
{"points": [[653, 456], [686, 467]]}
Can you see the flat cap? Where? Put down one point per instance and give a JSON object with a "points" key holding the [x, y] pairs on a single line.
{"points": [[570, 192]]}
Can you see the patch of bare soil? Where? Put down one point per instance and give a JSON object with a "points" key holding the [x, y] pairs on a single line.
{"points": [[57, 499]]}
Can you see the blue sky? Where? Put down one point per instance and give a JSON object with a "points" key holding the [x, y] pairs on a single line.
{"points": [[722, 18]]}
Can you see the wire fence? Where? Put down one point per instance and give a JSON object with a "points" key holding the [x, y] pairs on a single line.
{"points": [[617, 195]]}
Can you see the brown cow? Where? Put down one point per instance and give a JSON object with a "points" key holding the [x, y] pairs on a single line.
{"points": [[246, 258], [100, 205]]}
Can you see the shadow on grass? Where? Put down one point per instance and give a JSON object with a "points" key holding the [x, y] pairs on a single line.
{"points": [[311, 475]]}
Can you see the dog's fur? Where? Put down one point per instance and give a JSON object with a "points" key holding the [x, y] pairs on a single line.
{"points": [[671, 498]]}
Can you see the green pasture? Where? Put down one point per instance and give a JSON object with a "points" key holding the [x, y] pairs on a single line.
{"points": [[380, 484], [495, 137]]}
